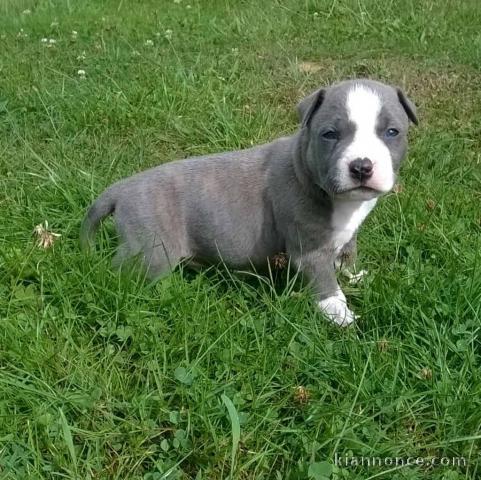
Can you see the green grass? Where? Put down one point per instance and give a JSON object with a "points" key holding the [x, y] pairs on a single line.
{"points": [[195, 377]]}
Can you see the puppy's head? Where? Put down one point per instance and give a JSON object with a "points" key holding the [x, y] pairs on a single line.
{"points": [[357, 137]]}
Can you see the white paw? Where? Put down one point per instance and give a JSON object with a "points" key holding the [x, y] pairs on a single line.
{"points": [[335, 308]]}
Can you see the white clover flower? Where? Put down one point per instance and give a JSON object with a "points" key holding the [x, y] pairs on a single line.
{"points": [[74, 34], [315, 14], [27, 12], [52, 41], [81, 73], [149, 43], [168, 34], [188, 7], [44, 40]]}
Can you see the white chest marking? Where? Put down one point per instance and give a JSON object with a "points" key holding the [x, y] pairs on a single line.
{"points": [[347, 218]]}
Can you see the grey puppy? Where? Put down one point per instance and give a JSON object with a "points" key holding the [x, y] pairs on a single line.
{"points": [[305, 194]]}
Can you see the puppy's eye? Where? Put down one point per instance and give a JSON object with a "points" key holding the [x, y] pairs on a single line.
{"points": [[331, 135], [391, 133]]}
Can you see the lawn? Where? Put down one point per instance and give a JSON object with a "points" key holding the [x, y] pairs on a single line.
{"points": [[219, 375]]}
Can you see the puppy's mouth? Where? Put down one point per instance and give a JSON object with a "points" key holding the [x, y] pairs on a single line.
{"points": [[359, 191], [339, 185], [364, 188]]}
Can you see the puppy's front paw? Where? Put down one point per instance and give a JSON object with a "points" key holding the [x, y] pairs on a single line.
{"points": [[335, 308]]}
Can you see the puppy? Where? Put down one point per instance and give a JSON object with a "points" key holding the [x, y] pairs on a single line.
{"points": [[305, 194]]}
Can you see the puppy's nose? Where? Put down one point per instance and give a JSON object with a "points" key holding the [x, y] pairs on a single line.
{"points": [[361, 168]]}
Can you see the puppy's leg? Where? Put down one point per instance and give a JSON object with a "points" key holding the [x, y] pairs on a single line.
{"points": [[160, 256], [346, 260], [319, 270], [348, 254], [146, 252]]}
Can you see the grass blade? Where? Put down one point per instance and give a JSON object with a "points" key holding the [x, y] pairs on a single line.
{"points": [[235, 423], [67, 435]]}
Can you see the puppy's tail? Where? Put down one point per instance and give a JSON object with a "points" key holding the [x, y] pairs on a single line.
{"points": [[101, 208]]}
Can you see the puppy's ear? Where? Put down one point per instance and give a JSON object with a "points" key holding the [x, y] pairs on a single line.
{"points": [[408, 106], [308, 106]]}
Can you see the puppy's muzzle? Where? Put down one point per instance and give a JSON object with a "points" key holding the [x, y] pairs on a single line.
{"points": [[361, 169]]}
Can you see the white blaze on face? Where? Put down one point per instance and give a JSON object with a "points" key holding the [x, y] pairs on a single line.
{"points": [[363, 108]]}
